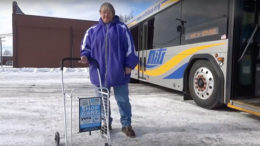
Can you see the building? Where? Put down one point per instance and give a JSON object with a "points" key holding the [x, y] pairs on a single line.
{"points": [[43, 41]]}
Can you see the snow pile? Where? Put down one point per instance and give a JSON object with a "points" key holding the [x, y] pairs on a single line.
{"points": [[10, 69]]}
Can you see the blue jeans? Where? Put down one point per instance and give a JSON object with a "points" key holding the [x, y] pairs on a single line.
{"points": [[121, 95], [122, 99]]}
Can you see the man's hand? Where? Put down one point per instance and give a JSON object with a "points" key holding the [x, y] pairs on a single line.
{"points": [[84, 60], [128, 70]]}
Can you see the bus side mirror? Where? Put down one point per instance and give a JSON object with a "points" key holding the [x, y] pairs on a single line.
{"points": [[180, 29]]}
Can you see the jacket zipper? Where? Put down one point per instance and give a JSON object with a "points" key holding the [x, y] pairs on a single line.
{"points": [[106, 55]]}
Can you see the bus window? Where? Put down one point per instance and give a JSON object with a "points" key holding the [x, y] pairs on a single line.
{"points": [[150, 33], [135, 34], [258, 22], [206, 20], [247, 26], [165, 28]]}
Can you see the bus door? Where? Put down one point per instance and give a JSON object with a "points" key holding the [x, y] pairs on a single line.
{"points": [[142, 50], [246, 86], [257, 41], [247, 49]]}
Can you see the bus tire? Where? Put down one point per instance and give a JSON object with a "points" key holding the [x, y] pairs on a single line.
{"points": [[203, 83]]}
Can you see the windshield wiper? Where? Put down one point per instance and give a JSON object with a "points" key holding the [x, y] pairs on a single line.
{"points": [[250, 40]]}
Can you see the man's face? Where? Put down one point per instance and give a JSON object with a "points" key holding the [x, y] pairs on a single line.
{"points": [[106, 15]]}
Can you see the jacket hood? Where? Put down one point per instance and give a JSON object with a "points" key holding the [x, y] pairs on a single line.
{"points": [[115, 20]]}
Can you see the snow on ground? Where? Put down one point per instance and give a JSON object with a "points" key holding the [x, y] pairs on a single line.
{"points": [[31, 111]]}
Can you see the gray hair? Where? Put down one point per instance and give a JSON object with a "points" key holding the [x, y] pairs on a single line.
{"points": [[108, 6]]}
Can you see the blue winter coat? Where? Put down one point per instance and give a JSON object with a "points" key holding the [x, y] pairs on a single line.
{"points": [[112, 46]]}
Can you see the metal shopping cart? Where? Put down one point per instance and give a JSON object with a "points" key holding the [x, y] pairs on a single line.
{"points": [[93, 111]]}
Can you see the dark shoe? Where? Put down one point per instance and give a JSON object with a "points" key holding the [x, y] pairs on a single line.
{"points": [[129, 131]]}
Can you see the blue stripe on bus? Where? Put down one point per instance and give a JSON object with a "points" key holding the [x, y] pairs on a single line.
{"points": [[178, 74], [151, 66]]}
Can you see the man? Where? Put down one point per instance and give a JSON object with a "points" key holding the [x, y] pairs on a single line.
{"points": [[110, 43]]}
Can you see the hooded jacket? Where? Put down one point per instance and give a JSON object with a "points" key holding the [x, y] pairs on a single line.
{"points": [[112, 47]]}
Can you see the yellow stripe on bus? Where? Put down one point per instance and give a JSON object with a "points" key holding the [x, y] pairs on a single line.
{"points": [[177, 59], [132, 23], [242, 109], [168, 2], [247, 104]]}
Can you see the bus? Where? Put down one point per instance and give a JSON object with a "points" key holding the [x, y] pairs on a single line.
{"points": [[207, 49]]}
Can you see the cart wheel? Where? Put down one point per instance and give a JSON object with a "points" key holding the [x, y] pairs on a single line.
{"points": [[57, 138]]}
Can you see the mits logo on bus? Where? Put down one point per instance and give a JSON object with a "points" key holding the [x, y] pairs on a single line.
{"points": [[155, 58]]}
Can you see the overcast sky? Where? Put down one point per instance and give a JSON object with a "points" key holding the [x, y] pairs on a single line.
{"points": [[75, 9]]}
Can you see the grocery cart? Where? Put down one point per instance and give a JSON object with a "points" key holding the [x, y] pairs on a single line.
{"points": [[93, 111]]}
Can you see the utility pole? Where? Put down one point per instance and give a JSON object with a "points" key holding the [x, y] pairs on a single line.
{"points": [[1, 51], [1, 45]]}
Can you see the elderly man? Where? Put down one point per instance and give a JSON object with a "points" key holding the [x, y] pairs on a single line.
{"points": [[110, 43]]}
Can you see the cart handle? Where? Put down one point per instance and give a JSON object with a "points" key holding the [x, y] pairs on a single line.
{"points": [[92, 61], [67, 59]]}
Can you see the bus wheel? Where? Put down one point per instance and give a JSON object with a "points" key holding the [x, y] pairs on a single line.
{"points": [[203, 84]]}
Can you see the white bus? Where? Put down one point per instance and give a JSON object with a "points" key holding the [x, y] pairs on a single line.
{"points": [[208, 49]]}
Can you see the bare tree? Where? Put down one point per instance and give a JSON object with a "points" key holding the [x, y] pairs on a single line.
{"points": [[125, 18], [7, 53]]}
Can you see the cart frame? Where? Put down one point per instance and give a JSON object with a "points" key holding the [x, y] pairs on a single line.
{"points": [[103, 93]]}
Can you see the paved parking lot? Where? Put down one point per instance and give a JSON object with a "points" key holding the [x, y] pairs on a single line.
{"points": [[31, 112]]}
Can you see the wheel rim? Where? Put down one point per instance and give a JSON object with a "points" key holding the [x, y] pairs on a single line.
{"points": [[203, 83]]}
